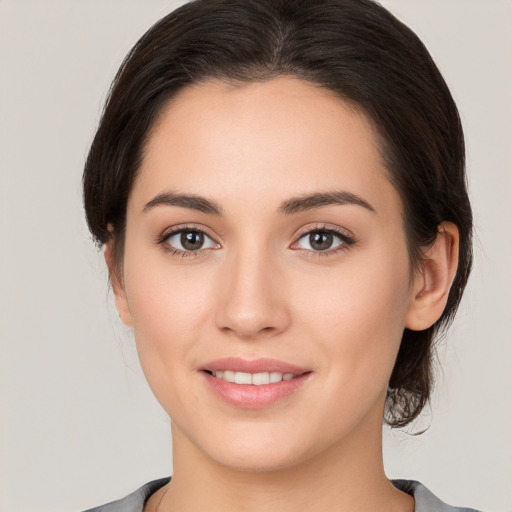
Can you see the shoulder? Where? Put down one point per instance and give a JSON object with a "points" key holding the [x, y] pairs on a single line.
{"points": [[425, 500], [135, 501]]}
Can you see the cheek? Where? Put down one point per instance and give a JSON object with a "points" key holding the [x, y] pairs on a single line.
{"points": [[357, 314], [167, 307], [168, 304]]}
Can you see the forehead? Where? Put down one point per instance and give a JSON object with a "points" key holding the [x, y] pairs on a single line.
{"points": [[265, 139]]}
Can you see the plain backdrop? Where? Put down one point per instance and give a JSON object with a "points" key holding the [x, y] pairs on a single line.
{"points": [[79, 425]]}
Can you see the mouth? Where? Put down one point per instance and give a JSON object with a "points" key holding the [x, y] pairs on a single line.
{"points": [[255, 379], [253, 384]]}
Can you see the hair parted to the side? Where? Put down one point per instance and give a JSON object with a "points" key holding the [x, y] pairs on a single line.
{"points": [[355, 48]]}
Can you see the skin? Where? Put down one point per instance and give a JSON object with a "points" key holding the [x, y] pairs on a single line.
{"points": [[259, 290]]}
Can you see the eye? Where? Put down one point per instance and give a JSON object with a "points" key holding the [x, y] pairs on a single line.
{"points": [[323, 240], [189, 240]]}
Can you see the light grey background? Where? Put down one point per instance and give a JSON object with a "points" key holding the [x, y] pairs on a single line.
{"points": [[78, 423]]}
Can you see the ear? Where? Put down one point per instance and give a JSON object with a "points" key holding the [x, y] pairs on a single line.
{"points": [[117, 285], [434, 279]]}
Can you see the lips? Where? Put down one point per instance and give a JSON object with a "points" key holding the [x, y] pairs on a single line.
{"points": [[237, 364], [253, 384]]}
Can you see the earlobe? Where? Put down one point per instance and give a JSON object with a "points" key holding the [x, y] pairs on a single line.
{"points": [[434, 279], [117, 285]]}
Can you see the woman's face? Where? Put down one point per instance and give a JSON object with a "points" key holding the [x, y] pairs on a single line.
{"points": [[264, 242]]}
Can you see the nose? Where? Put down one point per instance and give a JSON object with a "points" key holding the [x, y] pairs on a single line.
{"points": [[252, 302]]}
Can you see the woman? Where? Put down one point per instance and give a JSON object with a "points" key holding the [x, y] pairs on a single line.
{"points": [[280, 189]]}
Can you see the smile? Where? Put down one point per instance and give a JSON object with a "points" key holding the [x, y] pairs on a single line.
{"points": [[255, 379], [254, 384]]}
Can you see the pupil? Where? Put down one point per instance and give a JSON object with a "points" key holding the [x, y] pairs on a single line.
{"points": [[192, 240], [320, 241]]}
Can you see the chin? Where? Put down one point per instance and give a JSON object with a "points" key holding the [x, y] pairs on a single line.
{"points": [[248, 449], [257, 460]]}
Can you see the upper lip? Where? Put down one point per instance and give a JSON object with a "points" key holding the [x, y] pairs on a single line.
{"points": [[237, 364]]}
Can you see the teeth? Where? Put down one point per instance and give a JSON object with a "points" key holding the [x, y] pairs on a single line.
{"points": [[257, 379], [228, 376], [243, 378], [260, 378]]}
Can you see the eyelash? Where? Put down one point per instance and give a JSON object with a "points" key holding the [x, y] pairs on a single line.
{"points": [[178, 252], [346, 241]]}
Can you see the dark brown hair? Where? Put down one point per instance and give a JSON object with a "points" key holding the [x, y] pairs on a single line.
{"points": [[355, 48]]}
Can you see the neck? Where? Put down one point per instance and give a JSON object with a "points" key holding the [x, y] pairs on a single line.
{"points": [[346, 477]]}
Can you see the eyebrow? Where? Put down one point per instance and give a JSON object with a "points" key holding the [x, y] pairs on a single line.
{"points": [[288, 207], [319, 199], [190, 201]]}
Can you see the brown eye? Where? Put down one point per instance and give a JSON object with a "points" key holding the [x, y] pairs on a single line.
{"points": [[190, 240], [321, 240]]}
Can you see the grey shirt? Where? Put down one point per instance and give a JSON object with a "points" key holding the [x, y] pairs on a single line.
{"points": [[425, 500]]}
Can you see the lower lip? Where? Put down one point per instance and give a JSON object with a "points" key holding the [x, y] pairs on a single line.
{"points": [[249, 396]]}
